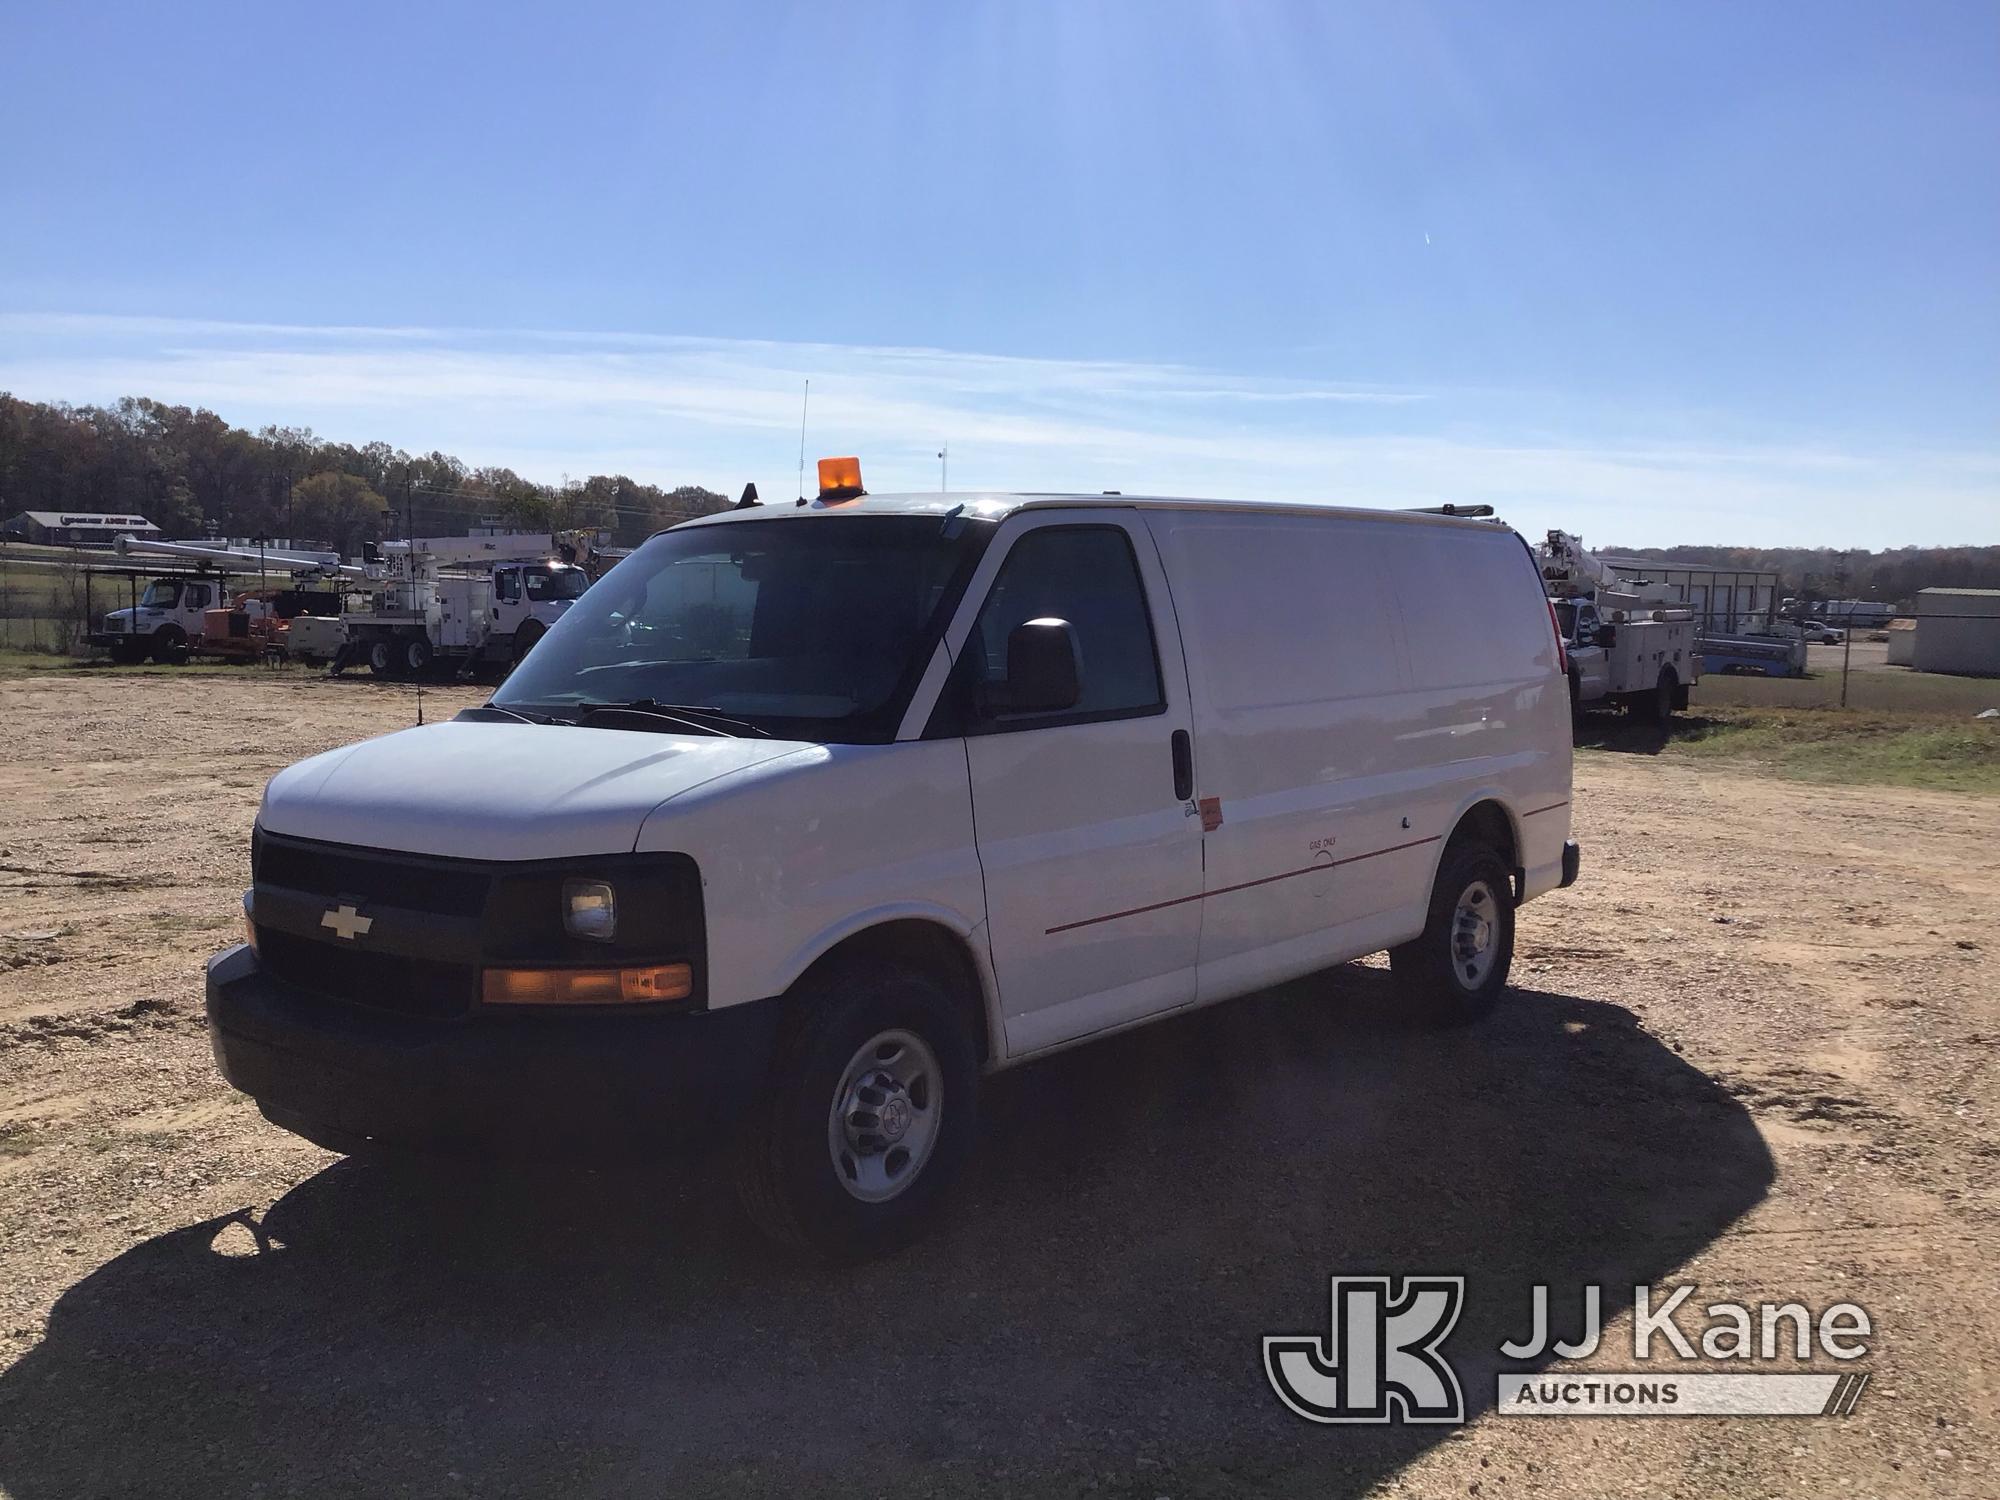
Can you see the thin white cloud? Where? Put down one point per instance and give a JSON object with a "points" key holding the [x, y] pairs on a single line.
{"points": [[676, 409]]}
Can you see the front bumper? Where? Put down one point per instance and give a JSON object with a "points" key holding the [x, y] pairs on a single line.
{"points": [[539, 1086]]}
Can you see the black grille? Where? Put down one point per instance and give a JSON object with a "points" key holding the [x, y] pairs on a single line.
{"points": [[441, 886], [381, 981]]}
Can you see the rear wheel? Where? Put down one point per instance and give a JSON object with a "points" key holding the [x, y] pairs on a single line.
{"points": [[872, 1107], [1657, 706], [383, 658], [416, 655], [1454, 971]]}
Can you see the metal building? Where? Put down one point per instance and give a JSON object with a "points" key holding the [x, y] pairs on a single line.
{"points": [[1958, 630], [1724, 599], [72, 528]]}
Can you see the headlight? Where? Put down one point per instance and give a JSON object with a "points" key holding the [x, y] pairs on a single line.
{"points": [[590, 909]]}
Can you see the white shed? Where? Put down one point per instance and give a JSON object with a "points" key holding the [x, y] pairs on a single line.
{"points": [[1958, 630]]}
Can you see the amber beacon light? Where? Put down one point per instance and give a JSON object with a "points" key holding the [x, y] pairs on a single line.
{"points": [[840, 478]]}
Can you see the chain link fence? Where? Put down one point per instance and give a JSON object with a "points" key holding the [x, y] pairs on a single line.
{"points": [[1860, 674]]}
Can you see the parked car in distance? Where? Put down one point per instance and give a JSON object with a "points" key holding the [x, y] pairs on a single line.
{"points": [[804, 818]]}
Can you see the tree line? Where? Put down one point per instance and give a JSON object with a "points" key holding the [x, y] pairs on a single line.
{"points": [[193, 475], [1893, 576]]}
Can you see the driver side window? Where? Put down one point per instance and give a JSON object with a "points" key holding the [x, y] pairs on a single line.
{"points": [[1088, 576], [507, 586]]}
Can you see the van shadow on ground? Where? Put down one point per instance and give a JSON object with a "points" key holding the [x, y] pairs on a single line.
{"points": [[1139, 1214]]}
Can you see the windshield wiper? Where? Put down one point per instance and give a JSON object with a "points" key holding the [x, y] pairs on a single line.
{"points": [[481, 710], [683, 715]]}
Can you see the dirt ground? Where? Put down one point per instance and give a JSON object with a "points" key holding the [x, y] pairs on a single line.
{"points": [[1752, 1049]]}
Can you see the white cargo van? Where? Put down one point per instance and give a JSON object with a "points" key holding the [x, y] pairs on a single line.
{"points": [[802, 818]]}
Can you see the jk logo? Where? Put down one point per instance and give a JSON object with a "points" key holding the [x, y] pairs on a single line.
{"points": [[1381, 1354]]}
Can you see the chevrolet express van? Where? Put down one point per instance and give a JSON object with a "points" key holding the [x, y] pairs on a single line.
{"points": [[803, 818]]}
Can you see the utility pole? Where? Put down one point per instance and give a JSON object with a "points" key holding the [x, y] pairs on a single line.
{"points": [[944, 457], [1847, 630]]}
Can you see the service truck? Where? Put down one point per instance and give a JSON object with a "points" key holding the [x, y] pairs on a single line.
{"points": [[1624, 649], [468, 600]]}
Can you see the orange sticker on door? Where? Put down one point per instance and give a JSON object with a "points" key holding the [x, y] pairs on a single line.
{"points": [[1211, 813]]}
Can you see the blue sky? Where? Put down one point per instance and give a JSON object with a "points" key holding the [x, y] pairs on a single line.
{"points": [[1675, 273]]}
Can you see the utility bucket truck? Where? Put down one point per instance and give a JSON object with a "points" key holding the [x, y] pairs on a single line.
{"points": [[1624, 648], [465, 599], [180, 614]]}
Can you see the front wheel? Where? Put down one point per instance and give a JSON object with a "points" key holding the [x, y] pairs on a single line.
{"points": [[872, 1107], [170, 646], [383, 657], [1454, 971]]}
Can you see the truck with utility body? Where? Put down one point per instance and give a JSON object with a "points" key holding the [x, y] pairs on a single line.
{"points": [[1623, 647], [805, 818], [1624, 652], [467, 601]]}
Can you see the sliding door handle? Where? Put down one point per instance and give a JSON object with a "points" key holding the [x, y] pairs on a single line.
{"points": [[1183, 765]]}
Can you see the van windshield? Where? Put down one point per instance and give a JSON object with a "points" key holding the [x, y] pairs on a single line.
{"points": [[814, 627]]}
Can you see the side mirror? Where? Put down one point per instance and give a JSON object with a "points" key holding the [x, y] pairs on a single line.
{"points": [[1043, 674], [1586, 635]]}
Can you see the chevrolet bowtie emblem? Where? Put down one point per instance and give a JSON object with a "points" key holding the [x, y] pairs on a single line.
{"points": [[346, 922]]}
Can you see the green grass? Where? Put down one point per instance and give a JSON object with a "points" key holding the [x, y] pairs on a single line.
{"points": [[1893, 690], [1942, 752], [18, 663]]}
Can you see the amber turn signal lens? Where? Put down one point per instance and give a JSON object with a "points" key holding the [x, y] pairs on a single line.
{"points": [[587, 986]]}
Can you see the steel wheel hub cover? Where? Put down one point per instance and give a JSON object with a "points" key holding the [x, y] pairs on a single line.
{"points": [[885, 1116]]}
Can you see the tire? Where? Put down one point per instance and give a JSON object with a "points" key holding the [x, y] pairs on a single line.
{"points": [[170, 645], [811, 1173], [383, 657], [1438, 975], [525, 638], [1657, 706], [416, 655]]}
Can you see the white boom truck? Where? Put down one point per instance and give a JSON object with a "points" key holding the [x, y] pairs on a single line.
{"points": [[1625, 650], [170, 621], [468, 599]]}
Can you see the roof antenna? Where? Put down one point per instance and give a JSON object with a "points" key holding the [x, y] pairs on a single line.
{"points": [[805, 402]]}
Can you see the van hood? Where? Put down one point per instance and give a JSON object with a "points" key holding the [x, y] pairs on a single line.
{"points": [[501, 791]]}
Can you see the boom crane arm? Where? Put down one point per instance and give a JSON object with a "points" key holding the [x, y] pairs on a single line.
{"points": [[328, 563]]}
